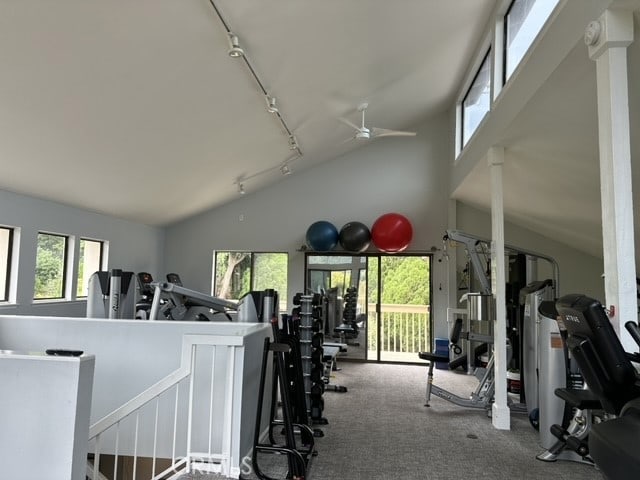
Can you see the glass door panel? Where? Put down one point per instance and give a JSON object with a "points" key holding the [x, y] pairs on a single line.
{"points": [[404, 308]]}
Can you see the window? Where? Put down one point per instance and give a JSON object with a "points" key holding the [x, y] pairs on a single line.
{"points": [[236, 273], [6, 244], [90, 261], [523, 22], [475, 103], [51, 266]]}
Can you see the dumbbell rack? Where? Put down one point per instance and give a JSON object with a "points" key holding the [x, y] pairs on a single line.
{"points": [[311, 340], [348, 330], [298, 454]]}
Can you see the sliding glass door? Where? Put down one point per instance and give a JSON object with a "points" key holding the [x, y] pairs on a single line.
{"points": [[392, 299]]}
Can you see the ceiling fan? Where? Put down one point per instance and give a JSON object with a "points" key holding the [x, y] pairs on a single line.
{"points": [[366, 133]]}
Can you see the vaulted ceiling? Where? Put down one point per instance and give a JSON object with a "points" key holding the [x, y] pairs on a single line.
{"points": [[134, 108]]}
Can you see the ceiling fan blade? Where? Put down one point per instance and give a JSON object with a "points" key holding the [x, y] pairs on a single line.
{"points": [[349, 123], [384, 132], [348, 140]]}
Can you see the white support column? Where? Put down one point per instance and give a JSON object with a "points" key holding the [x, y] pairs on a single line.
{"points": [[500, 410], [608, 39], [452, 260]]}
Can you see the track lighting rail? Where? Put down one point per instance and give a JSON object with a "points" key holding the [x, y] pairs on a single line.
{"points": [[236, 51]]}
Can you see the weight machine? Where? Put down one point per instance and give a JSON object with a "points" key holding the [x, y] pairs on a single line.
{"points": [[172, 301], [478, 251], [111, 294], [480, 317]]}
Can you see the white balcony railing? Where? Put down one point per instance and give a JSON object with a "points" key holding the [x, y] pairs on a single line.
{"points": [[405, 329], [167, 430]]}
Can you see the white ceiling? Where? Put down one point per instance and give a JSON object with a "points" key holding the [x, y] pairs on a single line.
{"points": [[134, 109]]}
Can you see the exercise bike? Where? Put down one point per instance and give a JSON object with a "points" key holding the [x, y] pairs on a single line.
{"points": [[612, 382]]}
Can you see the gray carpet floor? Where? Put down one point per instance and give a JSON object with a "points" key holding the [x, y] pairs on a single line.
{"points": [[380, 429]]}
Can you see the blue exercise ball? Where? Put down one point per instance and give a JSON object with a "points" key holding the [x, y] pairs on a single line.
{"points": [[322, 236], [355, 237]]}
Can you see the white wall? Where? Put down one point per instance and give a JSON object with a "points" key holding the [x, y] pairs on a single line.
{"points": [[579, 272], [404, 175], [142, 353], [132, 246]]}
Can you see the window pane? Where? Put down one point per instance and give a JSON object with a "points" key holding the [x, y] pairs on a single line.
{"points": [[524, 21], [236, 273], [319, 280], [233, 272], [327, 260], [5, 262], [270, 271], [341, 279], [90, 261], [51, 259], [476, 102]]}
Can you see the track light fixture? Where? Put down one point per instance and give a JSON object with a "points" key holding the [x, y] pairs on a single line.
{"points": [[271, 104], [285, 169], [236, 51], [234, 46]]}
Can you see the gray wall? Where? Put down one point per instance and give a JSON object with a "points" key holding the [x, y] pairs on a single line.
{"points": [[404, 175], [132, 246], [579, 272]]}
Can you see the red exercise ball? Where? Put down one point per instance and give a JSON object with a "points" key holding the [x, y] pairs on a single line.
{"points": [[392, 233]]}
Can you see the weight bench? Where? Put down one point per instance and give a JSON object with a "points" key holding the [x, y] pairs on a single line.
{"points": [[606, 368], [329, 357]]}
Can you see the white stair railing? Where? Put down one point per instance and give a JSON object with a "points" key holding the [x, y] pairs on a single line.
{"points": [[126, 431]]}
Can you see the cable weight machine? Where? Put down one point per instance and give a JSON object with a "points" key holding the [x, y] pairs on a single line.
{"points": [[480, 317]]}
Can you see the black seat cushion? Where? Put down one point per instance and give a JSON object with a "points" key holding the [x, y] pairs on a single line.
{"points": [[433, 357], [614, 447], [581, 399]]}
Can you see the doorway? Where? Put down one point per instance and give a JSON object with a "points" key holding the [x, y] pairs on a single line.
{"points": [[392, 299]]}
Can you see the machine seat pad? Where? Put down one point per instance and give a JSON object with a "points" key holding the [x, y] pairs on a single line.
{"points": [[614, 447], [434, 357], [344, 328], [329, 353], [341, 346], [582, 399]]}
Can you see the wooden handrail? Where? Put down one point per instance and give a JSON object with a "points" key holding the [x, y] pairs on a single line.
{"points": [[400, 308]]}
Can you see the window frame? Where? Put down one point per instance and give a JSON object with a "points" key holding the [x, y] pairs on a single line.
{"points": [[505, 41], [65, 267], [6, 295], [487, 57], [101, 261]]}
